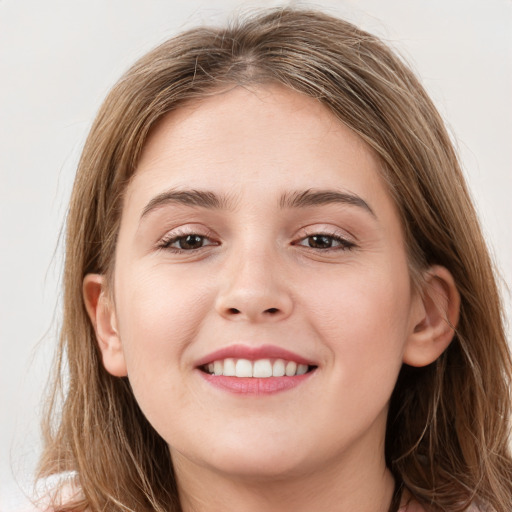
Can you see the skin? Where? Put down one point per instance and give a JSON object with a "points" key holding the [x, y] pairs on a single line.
{"points": [[255, 279]]}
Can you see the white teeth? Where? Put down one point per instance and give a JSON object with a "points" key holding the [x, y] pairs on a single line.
{"points": [[229, 368], [218, 367], [243, 368], [278, 368], [291, 368], [261, 368]]}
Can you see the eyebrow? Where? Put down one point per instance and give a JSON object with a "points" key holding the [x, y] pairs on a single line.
{"points": [[311, 197], [201, 198], [289, 200]]}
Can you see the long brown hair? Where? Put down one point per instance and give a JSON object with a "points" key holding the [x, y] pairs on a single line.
{"points": [[448, 423]]}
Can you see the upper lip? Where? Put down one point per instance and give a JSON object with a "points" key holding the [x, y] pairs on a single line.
{"points": [[252, 353]]}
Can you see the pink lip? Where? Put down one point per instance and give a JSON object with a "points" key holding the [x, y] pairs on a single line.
{"points": [[255, 386], [252, 354]]}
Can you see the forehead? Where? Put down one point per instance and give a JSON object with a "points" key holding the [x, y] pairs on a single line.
{"points": [[249, 140]]}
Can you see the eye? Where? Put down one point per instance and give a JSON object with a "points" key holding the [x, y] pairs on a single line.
{"points": [[186, 242], [325, 241]]}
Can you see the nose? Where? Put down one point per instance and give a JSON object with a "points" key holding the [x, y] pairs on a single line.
{"points": [[254, 289]]}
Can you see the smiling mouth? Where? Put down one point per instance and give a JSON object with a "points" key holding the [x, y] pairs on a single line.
{"points": [[259, 368]]}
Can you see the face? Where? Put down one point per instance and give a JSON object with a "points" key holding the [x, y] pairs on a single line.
{"points": [[257, 238]]}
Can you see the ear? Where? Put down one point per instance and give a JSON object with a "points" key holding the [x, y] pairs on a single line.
{"points": [[103, 317], [435, 314]]}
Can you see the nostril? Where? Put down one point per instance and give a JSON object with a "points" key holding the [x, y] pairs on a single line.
{"points": [[271, 310], [233, 311]]}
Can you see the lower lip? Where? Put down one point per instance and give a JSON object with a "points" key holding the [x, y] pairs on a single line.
{"points": [[254, 385]]}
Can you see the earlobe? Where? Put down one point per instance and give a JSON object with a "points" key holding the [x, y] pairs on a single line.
{"points": [[103, 317], [435, 314]]}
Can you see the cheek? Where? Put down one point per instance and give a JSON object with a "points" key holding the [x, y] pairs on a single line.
{"points": [[364, 323], [159, 313], [157, 319], [363, 317], [155, 305], [377, 295]]}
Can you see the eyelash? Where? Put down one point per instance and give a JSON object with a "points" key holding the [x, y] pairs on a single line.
{"points": [[344, 244], [167, 242]]}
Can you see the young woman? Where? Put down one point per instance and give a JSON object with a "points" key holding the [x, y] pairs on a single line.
{"points": [[277, 295]]}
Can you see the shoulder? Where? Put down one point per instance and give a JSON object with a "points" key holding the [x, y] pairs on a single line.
{"points": [[408, 503], [55, 491]]}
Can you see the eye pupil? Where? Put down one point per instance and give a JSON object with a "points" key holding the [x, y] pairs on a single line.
{"points": [[320, 241], [191, 242]]}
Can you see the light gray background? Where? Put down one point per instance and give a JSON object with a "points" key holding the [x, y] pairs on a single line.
{"points": [[59, 58]]}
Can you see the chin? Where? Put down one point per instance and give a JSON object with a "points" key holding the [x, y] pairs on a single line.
{"points": [[264, 459]]}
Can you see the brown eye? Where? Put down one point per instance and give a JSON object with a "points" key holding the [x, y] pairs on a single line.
{"points": [[190, 242], [186, 242], [320, 241]]}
